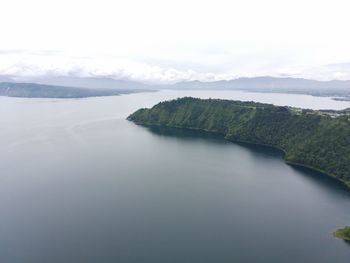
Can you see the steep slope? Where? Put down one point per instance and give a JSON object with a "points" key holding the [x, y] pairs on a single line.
{"points": [[316, 139]]}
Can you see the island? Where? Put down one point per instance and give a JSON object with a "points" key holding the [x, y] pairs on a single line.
{"points": [[319, 140], [343, 233]]}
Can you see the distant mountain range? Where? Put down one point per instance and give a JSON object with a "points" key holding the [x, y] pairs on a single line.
{"points": [[102, 86], [86, 82], [270, 84], [33, 90]]}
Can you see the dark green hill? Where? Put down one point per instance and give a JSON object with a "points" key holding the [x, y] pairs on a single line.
{"points": [[316, 139]]}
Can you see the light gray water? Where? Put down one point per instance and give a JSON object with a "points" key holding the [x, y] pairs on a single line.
{"points": [[79, 183]]}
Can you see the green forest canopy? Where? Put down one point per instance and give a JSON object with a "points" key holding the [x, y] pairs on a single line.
{"points": [[316, 139]]}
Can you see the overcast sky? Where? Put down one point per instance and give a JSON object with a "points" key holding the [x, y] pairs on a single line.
{"points": [[160, 40]]}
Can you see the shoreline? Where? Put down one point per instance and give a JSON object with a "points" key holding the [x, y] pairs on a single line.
{"points": [[284, 153], [343, 233]]}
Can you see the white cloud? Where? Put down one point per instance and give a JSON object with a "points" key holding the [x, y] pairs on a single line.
{"points": [[172, 40], [27, 64]]}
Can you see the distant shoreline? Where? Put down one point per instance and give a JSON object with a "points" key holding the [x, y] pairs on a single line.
{"points": [[33, 90]]}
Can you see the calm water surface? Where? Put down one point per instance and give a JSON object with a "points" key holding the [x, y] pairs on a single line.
{"points": [[79, 183]]}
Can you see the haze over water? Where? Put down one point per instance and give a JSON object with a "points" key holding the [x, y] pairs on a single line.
{"points": [[79, 183]]}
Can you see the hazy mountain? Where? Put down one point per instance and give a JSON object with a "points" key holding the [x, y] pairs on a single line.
{"points": [[83, 82], [271, 84], [337, 88], [33, 90]]}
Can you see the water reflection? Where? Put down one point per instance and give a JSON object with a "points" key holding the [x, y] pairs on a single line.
{"points": [[185, 133], [322, 180]]}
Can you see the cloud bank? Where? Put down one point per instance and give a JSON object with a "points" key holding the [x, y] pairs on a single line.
{"points": [[169, 41], [23, 64]]}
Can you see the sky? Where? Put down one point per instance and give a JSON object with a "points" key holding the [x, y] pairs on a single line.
{"points": [[169, 41]]}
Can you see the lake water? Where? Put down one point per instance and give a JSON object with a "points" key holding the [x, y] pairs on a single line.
{"points": [[79, 183]]}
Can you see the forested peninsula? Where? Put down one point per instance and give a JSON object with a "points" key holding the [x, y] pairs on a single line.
{"points": [[33, 90], [316, 139]]}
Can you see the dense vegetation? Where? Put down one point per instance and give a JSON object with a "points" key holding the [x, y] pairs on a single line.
{"points": [[343, 233], [316, 139]]}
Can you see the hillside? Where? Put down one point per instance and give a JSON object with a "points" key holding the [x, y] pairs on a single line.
{"points": [[343, 233], [316, 139]]}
